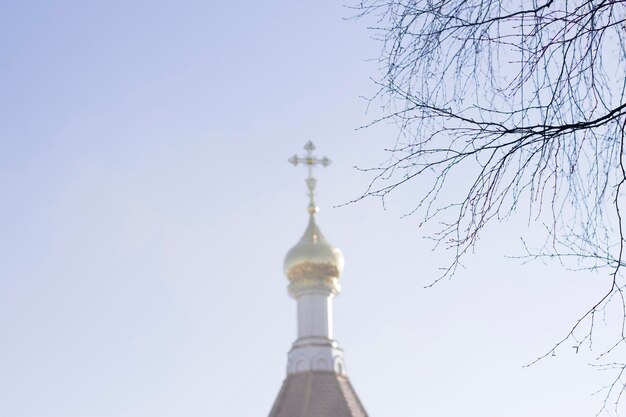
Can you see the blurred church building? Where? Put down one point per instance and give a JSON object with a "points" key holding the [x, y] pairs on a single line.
{"points": [[316, 384]]}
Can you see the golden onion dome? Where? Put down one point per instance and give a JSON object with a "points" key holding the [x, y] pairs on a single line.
{"points": [[313, 259]]}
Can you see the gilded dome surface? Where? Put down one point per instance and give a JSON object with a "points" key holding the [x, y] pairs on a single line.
{"points": [[313, 257]]}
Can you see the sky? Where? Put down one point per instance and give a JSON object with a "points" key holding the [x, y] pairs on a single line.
{"points": [[147, 205]]}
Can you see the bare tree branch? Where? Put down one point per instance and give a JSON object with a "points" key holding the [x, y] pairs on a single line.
{"points": [[515, 104]]}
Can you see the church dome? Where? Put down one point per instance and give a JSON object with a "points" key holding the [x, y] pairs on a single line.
{"points": [[313, 259]]}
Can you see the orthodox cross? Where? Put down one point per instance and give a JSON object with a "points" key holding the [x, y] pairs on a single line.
{"points": [[310, 161]]}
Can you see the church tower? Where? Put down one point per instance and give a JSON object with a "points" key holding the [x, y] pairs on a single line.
{"points": [[316, 384]]}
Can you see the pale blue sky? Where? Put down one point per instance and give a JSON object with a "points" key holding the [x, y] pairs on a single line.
{"points": [[147, 204]]}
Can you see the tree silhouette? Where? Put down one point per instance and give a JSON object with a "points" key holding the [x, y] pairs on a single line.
{"points": [[516, 104]]}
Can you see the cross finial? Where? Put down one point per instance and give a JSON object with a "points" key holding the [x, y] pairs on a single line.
{"points": [[310, 161]]}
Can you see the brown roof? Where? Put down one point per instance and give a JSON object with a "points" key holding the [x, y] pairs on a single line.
{"points": [[317, 394]]}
